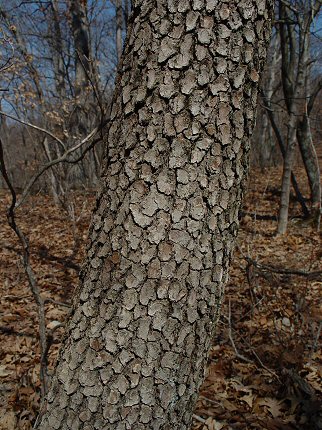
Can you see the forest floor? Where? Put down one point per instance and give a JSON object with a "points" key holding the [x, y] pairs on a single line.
{"points": [[265, 368]]}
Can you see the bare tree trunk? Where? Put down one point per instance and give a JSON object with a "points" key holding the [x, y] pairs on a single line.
{"points": [[166, 217], [282, 147], [81, 42], [311, 163], [80, 30], [286, 178], [266, 145], [119, 26], [57, 51], [267, 95], [294, 78], [52, 177]]}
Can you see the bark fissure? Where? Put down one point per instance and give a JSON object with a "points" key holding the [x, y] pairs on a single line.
{"points": [[166, 219]]}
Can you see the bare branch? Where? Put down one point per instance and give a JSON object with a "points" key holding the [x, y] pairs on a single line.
{"points": [[28, 124], [238, 355], [55, 302], [288, 5], [30, 275], [62, 158]]}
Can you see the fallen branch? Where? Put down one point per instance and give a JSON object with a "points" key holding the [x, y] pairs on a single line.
{"points": [[209, 400], [316, 275], [198, 418], [242, 357], [238, 355], [260, 217]]}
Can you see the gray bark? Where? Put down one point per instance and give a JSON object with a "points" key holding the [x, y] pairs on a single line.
{"points": [[166, 217]]}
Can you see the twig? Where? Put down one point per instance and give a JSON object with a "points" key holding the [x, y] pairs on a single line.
{"points": [[198, 418], [242, 357], [292, 8], [36, 127], [31, 277], [251, 310], [55, 302], [8, 62], [238, 355], [12, 297], [62, 158], [210, 400], [264, 367]]}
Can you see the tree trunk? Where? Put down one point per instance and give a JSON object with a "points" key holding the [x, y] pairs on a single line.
{"points": [[311, 163], [81, 42], [267, 143], [282, 146], [80, 30], [294, 79], [53, 179], [286, 177], [119, 26], [166, 217], [57, 50]]}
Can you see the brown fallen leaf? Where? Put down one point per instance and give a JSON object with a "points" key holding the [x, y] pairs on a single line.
{"points": [[272, 405]]}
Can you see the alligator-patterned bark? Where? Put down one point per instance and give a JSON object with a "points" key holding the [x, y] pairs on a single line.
{"points": [[166, 218]]}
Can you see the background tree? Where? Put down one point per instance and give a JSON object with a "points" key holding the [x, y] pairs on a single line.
{"points": [[295, 89], [289, 106], [166, 217]]}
